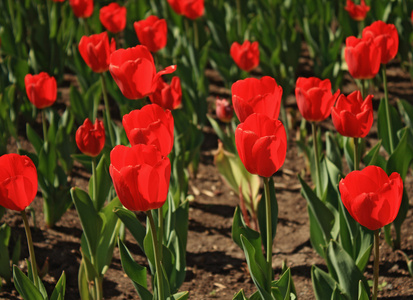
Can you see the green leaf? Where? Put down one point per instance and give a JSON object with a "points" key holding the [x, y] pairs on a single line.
{"points": [[348, 273], [135, 272], [257, 266], [60, 288], [25, 286], [323, 283], [382, 125], [284, 287], [104, 183], [399, 160], [135, 227], [262, 216], [240, 296], [363, 295], [5, 269], [374, 158], [34, 138], [179, 296], [89, 218], [333, 150], [240, 228], [83, 283]]}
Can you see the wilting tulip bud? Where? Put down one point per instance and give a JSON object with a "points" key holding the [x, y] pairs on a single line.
{"points": [[191, 9], [95, 51], [90, 138], [253, 95], [168, 96], [261, 144], [82, 8], [385, 38], [224, 110], [150, 125], [113, 17], [352, 116], [371, 197], [134, 71], [140, 176], [357, 12], [314, 98], [152, 32], [362, 57], [41, 89], [246, 56], [18, 181]]}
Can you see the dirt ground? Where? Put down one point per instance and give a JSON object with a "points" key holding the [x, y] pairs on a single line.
{"points": [[216, 267]]}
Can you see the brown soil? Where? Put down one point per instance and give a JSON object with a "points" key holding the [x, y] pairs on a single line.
{"points": [[216, 267]]}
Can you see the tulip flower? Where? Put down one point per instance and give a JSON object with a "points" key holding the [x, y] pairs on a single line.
{"points": [[261, 144], [385, 38], [314, 98], [134, 71], [41, 89], [371, 197], [253, 95], [224, 110], [362, 57], [82, 8], [150, 125], [95, 51], [352, 116], [140, 176], [90, 138], [113, 17], [246, 56], [168, 96], [152, 32], [357, 12], [18, 181], [191, 9]]}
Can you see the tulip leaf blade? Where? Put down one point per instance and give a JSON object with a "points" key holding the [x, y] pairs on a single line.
{"points": [[374, 158], [262, 214], [179, 296], [382, 125], [34, 138], [89, 218], [362, 295], [25, 286], [104, 183], [132, 223], [399, 161], [240, 228], [60, 288], [323, 283], [284, 287]]}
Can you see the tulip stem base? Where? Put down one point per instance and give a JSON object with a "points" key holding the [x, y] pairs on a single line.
{"points": [[157, 257], [31, 248], [269, 230], [107, 110], [376, 264], [317, 160], [387, 108]]}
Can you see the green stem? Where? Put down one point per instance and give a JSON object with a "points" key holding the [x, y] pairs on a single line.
{"points": [[196, 37], [108, 118], [269, 230], [386, 102], [317, 160], [356, 153], [157, 260], [31, 248], [160, 223], [239, 28], [44, 126], [95, 183], [363, 88], [376, 264]]}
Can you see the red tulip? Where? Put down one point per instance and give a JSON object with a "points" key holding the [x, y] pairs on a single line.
{"points": [[95, 50], [90, 138], [262, 144], [169, 96], [152, 32], [246, 56], [150, 125], [82, 8], [134, 71], [352, 116], [371, 197], [140, 176], [224, 110], [191, 9], [41, 89], [314, 98], [385, 38], [357, 12], [253, 95], [362, 57], [18, 181], [113, 17]]}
